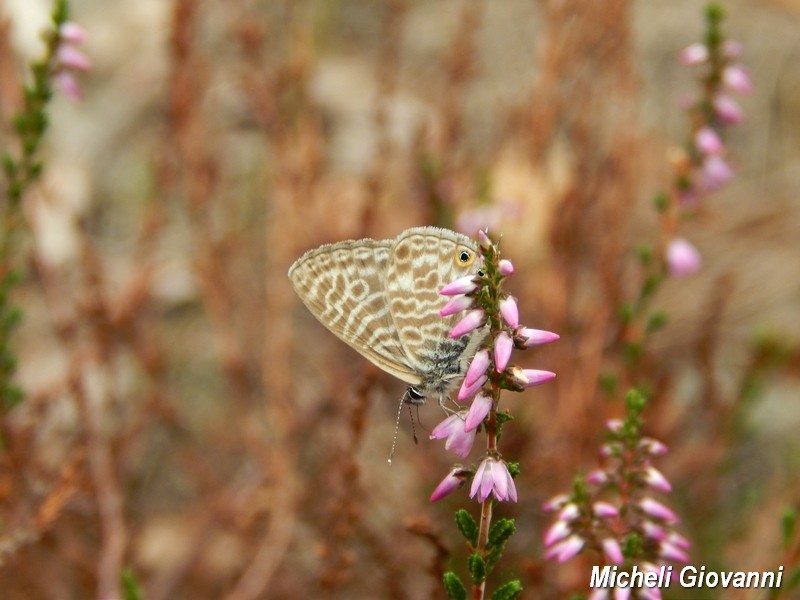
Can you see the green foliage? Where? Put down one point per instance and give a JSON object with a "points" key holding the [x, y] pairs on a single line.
{"points": [[477, 568], [499, 534], [508, 591], [788, 526], [467, 526], [656, 321], [453, 586], [130, 587]]}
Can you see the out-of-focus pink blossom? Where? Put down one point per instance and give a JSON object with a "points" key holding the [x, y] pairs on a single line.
{"points": [[612, 551], [656, 480], [715, 173], [682, 258], [728, 110], [737, 79], [656, 509], [694, 54], [708, 142]]}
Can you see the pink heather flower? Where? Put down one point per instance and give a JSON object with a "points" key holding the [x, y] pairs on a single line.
{"points": [[597, 477], [737, 79], [530, 377], [604, 510], [478, 366], [653, 531], [612, 551], [472, 321], [707, 141], [503, 345], [483, 239], [478, 410], [509, 310], [555, 503], [566, 549], [670, 552], [676, 539], [653, 447], [655, 509], [569, 512], [469, 390], [72, 32], [456, 305], [694, 54], [492, 477], [656, 480], [556, 532], [458, 439], [715, 173], [534, 337], [506, 267], [462, 285], [615, 425], [67, 84], [70, 57], [728, 111], [454, 480], [599, 594], [732, 49], [682, 258]]}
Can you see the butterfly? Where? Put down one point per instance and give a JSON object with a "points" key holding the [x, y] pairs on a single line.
{"points": [[381, 297]]}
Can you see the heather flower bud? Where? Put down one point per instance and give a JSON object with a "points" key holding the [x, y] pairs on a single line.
{"points": [[472, 321], [480, 407], [727, 110], [604, 510], [597, 477], [483, 240], [654, 478], [737, 79], [694, 54], [670, 552], [456, 305], [478, 366], [72, 32], [556, 532], [715, 173], [509, 310], [653, 447], [469, 390], [503, 345], [72, 58], [505, 267], [612, 551], [707, 141], [555, 503], [682, 258], [566, 549], [462, 285], [453, 481], [533, 337], [655, 509]]}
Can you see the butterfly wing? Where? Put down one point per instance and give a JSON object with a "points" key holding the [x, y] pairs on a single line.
{"points": [[343, 285], [422, 261]]}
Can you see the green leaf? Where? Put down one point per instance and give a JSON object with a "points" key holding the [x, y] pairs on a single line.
{"points": [[467, 526], [130, 587], [661, 202], [793, 580], [508, 591], [608, 383], [477, 567], [656, 321], [500, 531], [453, 586], [788, 525]]}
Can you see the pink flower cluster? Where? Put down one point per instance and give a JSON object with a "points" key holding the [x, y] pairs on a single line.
{"points": [[69, 58], [706, 168], [583, 520], [490, 364]]}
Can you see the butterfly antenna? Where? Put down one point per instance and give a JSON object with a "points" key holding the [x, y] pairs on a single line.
{"points": [[397, 428], [413, 427]]}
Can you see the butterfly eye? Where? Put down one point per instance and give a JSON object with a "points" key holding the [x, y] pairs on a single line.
{"points": [[465, 258]]}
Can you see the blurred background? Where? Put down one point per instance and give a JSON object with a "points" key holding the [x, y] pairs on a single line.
{"points": [[187, 422]]}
